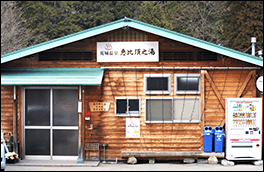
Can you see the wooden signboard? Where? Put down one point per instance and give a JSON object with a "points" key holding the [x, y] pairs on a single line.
{"points": [[99, 106]]}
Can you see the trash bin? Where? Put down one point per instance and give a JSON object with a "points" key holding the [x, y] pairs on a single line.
{"points": [[218, 139], [208, 138]]}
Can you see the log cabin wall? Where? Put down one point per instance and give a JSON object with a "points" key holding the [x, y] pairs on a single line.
{"points": [[110, 129], [7, 97], [8, 110]]}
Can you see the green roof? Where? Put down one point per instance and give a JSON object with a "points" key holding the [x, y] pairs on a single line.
{"points": [[52, 76], [137, 25]]}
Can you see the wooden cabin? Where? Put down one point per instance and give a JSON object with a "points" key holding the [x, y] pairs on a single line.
{"points": [[126, 86]]}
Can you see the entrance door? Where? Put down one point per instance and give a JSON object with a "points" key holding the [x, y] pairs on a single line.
{"points": [[50, 123]]}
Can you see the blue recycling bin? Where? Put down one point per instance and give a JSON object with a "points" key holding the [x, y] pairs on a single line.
{"points": [[218, 139], [208, 138]]}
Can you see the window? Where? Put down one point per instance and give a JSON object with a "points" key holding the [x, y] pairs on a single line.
{"points": [[157, 83], [186, 109], [168, 110], [158, 110], [187, 83], [127, 106]]}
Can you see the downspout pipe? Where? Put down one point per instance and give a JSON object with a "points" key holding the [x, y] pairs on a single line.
{"points": [[15, 145], [80, 139]]}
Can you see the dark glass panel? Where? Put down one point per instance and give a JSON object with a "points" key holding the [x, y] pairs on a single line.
{"points": [[37, 141], [188, 83], [65, 142], [133, 106], [121, 106], [65, 107], [37, 107], [157, 83]]}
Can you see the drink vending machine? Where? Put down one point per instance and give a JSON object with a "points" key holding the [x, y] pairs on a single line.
{"points": [[243, 128]]}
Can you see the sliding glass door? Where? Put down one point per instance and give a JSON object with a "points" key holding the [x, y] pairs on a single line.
{"points": [[50, 122]]}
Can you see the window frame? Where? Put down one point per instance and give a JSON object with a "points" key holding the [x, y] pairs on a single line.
{"points": [[168, 91], [158, 98], [199, 109], [176, 91], [173, 110], [128, 114]]}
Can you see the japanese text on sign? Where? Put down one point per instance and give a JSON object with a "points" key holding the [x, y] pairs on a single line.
{"points": [[132, 128], [127, 52]]}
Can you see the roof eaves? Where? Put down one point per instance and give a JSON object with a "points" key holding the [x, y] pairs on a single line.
{"points": [[61, 41], [196, 42], [138, 25]]}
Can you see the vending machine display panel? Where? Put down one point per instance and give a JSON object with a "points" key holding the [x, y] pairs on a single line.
{"points": [[243, 128]]}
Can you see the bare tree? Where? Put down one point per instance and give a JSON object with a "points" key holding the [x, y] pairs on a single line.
{"points": [[200, 19], [14, 35]]}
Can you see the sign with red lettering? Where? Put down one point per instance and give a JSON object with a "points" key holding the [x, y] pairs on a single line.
{"points": [[127, 51]]}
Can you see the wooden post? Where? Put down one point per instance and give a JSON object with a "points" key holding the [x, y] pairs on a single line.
{"points": [[83, 121], [80, 148], [15, 146]]}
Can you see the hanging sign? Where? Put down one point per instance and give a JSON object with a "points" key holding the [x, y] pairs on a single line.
{"points": [[99, 106], [132, 128], [127, 51]]}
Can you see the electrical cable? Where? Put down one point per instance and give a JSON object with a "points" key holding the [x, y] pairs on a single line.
{"points": [[162, 107], [236, 90], [138, 104], [183, 105], [221, 96], [195, 98], [172, 113], [199, 116], [149, 107]]}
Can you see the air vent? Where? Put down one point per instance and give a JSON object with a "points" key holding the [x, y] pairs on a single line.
{"points": [[177, 56], [206, 56], [188, 56], [66, 56]]}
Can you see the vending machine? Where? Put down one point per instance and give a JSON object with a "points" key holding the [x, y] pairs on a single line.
{"points": [[243, 128]]}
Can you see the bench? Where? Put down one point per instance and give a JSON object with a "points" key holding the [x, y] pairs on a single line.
{"points": [[159, 154]]}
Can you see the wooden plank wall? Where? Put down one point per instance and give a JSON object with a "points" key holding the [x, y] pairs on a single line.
{"points": [[228, 83], [7, 93], [110, 129], [7, 112]]}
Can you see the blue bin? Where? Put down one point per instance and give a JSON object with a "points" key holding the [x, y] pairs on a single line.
{"points": [[208, 138], [218, 139]]}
